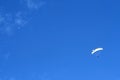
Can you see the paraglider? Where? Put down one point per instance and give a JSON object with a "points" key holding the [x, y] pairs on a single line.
{"points": [[95, 50]]}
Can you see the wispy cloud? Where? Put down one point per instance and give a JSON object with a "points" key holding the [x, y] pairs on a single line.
{"points": [[34, 4], [2, 19], [6, 56], [44, 76], [7, 78], [27, 77], [12, 78], [20, 19], [40, 76], [7, 23], [10, 22]]}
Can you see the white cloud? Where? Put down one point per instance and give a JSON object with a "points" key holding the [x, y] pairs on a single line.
{"points": [[6, 23], [9, 22], [12, 78], [13, 21], [34, 4], [19, 19], [5, 77], [8, 30], [44, 76], [6, 56], [1, 19]]}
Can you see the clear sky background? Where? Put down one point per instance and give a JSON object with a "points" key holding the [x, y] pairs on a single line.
{"points": [[53, 39]]}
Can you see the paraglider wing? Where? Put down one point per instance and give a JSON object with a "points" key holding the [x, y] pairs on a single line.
{"points": [[95, 50]]}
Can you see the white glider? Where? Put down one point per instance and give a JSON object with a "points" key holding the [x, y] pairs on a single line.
{"points": [[95, 50]]}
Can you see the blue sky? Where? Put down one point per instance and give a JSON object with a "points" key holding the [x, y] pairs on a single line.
{"points": [[53, 39]]}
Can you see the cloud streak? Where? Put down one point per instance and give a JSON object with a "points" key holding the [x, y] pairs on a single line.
{"points": [[10, 22], [34, 4]]}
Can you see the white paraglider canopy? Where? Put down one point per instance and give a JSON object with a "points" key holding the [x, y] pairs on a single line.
{"points": [[96, 50]]}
